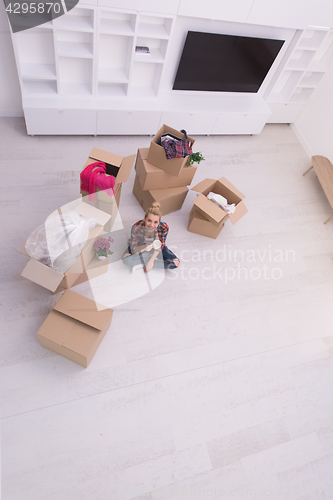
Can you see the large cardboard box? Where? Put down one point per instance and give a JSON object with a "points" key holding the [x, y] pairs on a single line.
{"points": [[200, 225], [171, 199], [157, 156], [152, 177], [213, 212], [87, 265], [118, 166], [75, 328]]}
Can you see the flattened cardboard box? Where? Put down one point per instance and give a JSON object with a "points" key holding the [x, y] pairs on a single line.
{"points": [[75, 328], [213, 212], [157, 156], [200, 225], [170, 199], [118, 166], [86, 266], [152, 177]]}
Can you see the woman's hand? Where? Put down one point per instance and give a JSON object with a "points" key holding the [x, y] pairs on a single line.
{"points": [[149, 265]]}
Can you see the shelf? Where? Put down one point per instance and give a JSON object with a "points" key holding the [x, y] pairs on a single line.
{"points": [[75, 49], [118, 23], [154, 27], [157, 49], [39, 87], [76, 71], [311, 79], [145, 78], [312, 39], [301, 95], [116, 75], [75, 88], [112, 90], [35, 47], [115, 56], [77, 19], [301, 59], [38, 71]]}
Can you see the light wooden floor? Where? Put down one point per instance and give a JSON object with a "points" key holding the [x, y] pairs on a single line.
{"points": [[218, 384]]}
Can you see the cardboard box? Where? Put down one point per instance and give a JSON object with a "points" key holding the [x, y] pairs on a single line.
{"points": [[111, 207], [152, 177], [75, 328], [118, 166], [200, 225], [213, 212], [171, 199], [157, 156], [87, 265]]}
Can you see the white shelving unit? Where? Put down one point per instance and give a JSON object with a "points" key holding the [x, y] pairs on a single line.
{"points": [[307, 64], [80, 74]]}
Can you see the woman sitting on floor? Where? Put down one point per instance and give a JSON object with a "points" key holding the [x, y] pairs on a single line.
{"points": [[146, 247]]}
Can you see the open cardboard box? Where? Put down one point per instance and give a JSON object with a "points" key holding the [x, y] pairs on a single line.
{"points": [[152, 177], [170, 199], [110, 207], [213, 212], [86, 266], [200, 225], [118, 166], [157, 156], [75, 328]]}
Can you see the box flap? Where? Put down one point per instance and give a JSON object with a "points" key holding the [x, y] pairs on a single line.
{"points": [[207, 183], [240, 211], [42, 275], [208, 207], [83, 309], [125, 169], [56, 327], [100, 155], [230, 186], [22, 250], [89, 211]]}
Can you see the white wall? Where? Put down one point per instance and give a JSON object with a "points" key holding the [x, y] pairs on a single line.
{"points": [[10, 93], [314, 125]]}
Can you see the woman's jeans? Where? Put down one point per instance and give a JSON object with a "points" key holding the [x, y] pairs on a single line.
{"points": [[163, 260]]}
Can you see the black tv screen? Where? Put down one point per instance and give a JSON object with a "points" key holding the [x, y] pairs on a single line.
{"points": [[225, 63]]}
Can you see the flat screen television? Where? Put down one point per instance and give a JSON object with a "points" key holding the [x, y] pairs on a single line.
{"points": [[225, 63]]}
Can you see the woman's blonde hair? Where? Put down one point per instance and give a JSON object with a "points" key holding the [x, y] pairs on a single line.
{"points": [[154, 209]]}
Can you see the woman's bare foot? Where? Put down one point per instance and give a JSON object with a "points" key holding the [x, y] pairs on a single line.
{"points": [[176, 262], [126, 255]]}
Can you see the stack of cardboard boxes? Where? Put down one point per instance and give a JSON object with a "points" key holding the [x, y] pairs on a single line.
{"points": [[161, 179], [207, 218]]}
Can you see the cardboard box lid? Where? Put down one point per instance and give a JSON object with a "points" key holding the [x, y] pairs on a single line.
{"points": [[123, 163], [83, 309], [42, 275], [203, 185], [240, 211], [211, 209], [88, 211]]}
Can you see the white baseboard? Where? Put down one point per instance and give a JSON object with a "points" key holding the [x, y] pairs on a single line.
{"points": [[302, 140]]}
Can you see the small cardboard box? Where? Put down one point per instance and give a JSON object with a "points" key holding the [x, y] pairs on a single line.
{"points": [[75, 328], [118, 166], [213, 212], [157, 156], [200, 225], [171, 199], [86, 266], [152, 177]]}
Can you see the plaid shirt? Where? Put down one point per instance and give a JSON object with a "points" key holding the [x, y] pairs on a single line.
{"points": [[138, 234], [177, 149]]}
